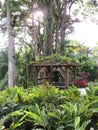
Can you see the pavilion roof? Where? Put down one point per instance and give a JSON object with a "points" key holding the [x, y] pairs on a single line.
{"points": [[54, 61]]}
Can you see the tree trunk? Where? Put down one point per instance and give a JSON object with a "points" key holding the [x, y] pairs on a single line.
{"points": [[63, 26], [49, 33], [11, 49], [57, 38], [35, 32]]}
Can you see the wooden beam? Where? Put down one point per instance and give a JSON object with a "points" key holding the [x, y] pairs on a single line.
{"points": [[44, 78], [62, 68]]}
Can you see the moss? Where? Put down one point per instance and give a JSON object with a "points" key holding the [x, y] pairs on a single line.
{"points": [[55, 58]]}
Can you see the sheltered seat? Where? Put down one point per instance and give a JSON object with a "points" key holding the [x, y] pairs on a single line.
{"points": [[54, 73]]}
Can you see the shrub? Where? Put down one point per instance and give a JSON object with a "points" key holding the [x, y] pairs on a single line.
{"points": [[48, 108]]}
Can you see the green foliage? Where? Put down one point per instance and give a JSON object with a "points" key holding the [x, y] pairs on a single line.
{"points": [[92, 96], [48, 108], [55, 58], [92, 92], [78, 126], [3, 69], [4, 83], [72, 94], [24, 72]]}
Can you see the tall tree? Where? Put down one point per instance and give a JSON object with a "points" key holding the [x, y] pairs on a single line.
{"points": [[48, 21], [11, 48], [49, 28]]}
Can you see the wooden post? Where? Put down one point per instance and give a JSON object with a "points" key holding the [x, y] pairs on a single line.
{"points": [[36, 75], [49, 74], [66, 76], [74, 74]]}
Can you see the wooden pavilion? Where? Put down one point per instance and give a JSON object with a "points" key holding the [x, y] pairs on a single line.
{"points": [[54, 72]]}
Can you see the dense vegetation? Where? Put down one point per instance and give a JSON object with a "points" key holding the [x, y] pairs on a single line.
{"points": [[47, 108], [33, 39], [25, 75]]}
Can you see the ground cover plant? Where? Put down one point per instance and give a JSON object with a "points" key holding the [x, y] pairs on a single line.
{"points": [[48, 108]]}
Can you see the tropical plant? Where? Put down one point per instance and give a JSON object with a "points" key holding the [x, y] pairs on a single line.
{"points": [[3, 69], [48, 108]]}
